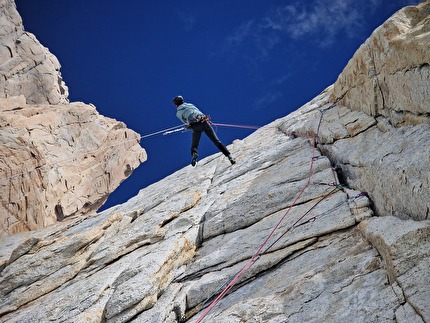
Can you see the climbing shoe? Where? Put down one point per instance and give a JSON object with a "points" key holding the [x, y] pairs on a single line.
{"points": [[232, 160], [194, 160]]}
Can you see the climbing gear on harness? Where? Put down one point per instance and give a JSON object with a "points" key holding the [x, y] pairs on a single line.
{"points": [[199, 119]]}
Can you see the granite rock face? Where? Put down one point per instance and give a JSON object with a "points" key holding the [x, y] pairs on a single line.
{"points": [[58, 159], [389, 75], [388, 78], [161, 255], [324, 218], [26, 67]]}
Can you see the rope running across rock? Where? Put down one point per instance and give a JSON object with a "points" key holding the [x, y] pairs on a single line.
{"points": [[226, 287]]}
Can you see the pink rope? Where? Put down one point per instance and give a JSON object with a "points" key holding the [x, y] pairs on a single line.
{"points": [[235, 125], [256, 254]]}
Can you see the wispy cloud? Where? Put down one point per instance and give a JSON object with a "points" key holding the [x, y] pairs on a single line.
{"points": [[319, 22], [323, 21], [296, 24], [250, 34]]}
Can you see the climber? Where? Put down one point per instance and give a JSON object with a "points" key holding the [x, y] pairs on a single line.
{"points": [[198, 123]]}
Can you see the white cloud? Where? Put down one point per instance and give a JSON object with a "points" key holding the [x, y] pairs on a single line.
{"points": [[318, 21], [322, 18]]}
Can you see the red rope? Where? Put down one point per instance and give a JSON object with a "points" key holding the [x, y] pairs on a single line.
{"points": [[257, 253], [235, 125]]}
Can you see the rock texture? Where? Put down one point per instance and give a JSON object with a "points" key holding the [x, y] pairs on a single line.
{"points": [[388, 78], [324, 218], [56, 159], [27, 68], [389, 75]]}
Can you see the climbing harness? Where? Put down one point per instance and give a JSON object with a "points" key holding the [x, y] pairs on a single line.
{"points": [[200, 119]]}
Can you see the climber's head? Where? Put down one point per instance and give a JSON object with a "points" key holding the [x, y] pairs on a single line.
{"points": [[178, 100]]}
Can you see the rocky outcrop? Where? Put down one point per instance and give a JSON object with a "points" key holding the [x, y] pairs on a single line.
{"points": [[324, 218], [388, 78], [57, 159], [389, 74], [26, 67], [387, 162]]}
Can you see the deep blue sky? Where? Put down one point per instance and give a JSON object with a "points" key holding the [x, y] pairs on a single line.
{"points": [[241, 61]]}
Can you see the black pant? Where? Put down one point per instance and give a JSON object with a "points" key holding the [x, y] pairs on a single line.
{"points": [[205, 127]]}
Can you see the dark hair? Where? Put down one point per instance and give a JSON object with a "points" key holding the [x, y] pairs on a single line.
{"points": [[178, 100]]}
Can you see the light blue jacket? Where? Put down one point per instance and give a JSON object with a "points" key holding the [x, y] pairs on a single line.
{"points": [[188, 113]]}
